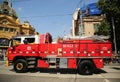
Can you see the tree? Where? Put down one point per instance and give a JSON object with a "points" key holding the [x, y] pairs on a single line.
{"points": [[103, 28], [112, 10]]}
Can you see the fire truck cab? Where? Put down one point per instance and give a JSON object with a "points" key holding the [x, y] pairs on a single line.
{"points": [[36, 39], [29, 38], [84, 55]]}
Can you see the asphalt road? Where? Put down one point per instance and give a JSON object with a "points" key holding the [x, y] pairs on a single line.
{"points": [[27, 78], [24, 78], [109, 73]]}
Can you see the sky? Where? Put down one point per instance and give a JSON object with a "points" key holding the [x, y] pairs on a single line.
{"points": [[53, 16]]}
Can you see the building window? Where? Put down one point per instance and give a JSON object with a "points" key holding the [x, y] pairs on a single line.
{"points": [[7, 29], [82, 30], [12, 30], [96, 25], [1, 28], [4, 42], [17, 33], [4, 22], [88, 32]]}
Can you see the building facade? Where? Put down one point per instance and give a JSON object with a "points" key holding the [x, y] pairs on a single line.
{"points": [[27, 29], [10, 25], [90, 25], [86, 21], [9, 21]]}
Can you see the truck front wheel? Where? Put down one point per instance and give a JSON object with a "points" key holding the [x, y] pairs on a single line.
{"points": [[20, 66], [85, 67]]}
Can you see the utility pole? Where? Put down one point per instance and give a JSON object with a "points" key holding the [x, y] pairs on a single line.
{"points": [[114, 40], [81, 24]]}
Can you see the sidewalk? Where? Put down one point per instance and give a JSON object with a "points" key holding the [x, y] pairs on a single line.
{"points": [[2, 62]]}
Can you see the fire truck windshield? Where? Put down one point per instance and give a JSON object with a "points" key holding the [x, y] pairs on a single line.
{"points": [[14, 41], [21, 40]]}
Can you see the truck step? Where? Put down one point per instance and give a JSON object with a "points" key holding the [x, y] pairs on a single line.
{"points": [[52, 61], [31, 62], [31, 58], [31, 66], [52, 66]]}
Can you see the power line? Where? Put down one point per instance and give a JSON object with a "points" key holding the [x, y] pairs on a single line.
{"points": [[14, 1], [54, 15], [79, 3], [18, 0]]}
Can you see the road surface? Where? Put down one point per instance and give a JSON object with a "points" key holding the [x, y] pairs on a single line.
{"points": [[109, 73]]}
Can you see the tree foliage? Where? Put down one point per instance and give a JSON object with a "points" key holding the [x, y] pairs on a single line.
{"points": [[112, 10], [110, 6], [103, 28]]}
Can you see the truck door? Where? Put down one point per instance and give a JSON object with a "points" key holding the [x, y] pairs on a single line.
{"points": [[93, 49]]}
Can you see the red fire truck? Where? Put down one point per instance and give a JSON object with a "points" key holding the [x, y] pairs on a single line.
{"points": [[39, 51]]}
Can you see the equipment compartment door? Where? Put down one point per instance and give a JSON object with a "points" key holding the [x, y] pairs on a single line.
{"points": [[68, 50], [83, 50], [93, 49]]}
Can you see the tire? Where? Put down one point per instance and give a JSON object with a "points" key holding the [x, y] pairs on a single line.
{"points": [[20, 66], [85, 67]]}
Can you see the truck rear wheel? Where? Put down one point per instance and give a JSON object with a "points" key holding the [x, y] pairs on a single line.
{"points": [[20, 66], [85, 67]]}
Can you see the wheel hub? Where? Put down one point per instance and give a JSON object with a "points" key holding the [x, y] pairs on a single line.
{"points": [[19, 66]]}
